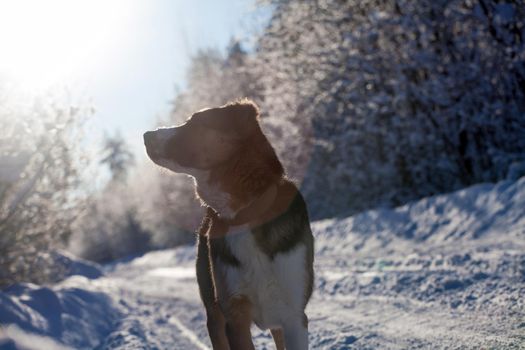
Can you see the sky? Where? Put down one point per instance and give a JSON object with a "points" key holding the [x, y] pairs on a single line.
{"points": [[125, 58]]}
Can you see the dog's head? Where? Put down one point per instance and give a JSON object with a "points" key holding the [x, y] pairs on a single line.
{"points": [[228, 138]]}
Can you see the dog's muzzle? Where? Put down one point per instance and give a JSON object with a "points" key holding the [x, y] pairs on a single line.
{"points": [[151, 143]]}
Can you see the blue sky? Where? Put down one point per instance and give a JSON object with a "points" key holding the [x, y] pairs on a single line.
{"points": [[125, 58], [141, 78]]}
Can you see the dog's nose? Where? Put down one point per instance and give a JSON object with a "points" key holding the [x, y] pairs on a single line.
{"points": [[149, 136]]}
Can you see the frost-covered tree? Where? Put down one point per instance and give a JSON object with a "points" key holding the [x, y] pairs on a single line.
{"points": [[117, 157], [40, 164], [399, 99], [110, 226]]}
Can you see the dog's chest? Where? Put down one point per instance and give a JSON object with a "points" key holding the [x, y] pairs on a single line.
{"points": [[276, 287]]}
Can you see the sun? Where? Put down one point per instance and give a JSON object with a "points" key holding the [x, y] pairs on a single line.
{"points": [[43, 43]]}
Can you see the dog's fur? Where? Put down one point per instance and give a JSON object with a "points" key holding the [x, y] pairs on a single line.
{"points": [[255, 247]]}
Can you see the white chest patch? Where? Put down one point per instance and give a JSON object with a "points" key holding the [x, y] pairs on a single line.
{"points": [[213, 196], [276, 287]]}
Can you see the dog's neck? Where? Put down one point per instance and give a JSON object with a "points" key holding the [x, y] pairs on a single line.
{"points": [[220, 201], [253, 215], [211, 195]]}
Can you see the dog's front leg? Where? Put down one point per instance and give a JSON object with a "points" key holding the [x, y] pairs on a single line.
{"points": [[217, 328], [278, 338], [238, 321], [215, 322], [296, 333]]}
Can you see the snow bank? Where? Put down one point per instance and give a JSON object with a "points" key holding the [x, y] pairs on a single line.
{"points": [[71, 265], [37, 317], [73, 316], [491, 213], [445, 260]]}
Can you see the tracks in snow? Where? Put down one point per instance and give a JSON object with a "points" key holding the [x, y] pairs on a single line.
{"points": [[186, 332]]}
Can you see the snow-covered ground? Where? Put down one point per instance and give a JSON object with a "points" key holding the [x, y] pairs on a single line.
{"points": [[444, 272]]}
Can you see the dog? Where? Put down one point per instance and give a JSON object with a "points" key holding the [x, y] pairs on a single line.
{"points": [[255, 247]]}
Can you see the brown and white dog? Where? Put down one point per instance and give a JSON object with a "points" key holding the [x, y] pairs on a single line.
{"points": [[255, 248]]}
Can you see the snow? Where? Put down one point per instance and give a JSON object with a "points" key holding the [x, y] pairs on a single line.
{"points": [[74, 266], [444, 272], [73, 316]]}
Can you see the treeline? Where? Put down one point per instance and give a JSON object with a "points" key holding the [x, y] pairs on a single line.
{"points": [[375, 103]]}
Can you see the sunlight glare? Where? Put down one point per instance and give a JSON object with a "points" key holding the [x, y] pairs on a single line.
{"points": [[44, 43]]}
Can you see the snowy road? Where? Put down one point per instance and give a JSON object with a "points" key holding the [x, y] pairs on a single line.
{"points": [[447, 272], [164, 311]]}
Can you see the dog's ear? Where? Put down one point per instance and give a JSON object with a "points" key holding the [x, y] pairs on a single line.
{"points": [[244, 116]]}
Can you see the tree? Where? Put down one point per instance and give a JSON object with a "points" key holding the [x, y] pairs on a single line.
{"points": [[111, 226], [39, 184], [117, 157], [405, 100]]}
